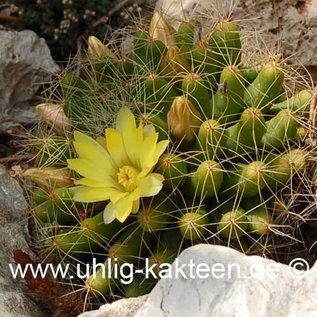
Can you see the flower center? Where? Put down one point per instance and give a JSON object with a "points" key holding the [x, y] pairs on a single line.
{"points": [[127, 177]]}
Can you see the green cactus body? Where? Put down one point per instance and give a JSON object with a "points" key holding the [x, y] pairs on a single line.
{"points": [[151, 219], [283, 167], [155, 52], [167, 249], [159, 124], [249, 75], [130, 246], [148, 52], [266, 88], [233, 224], [299, 102], [72, 84], [259, 220], [301, 133], [159, 257], [126, 69], [105, 69], [227, 102], [164, 202], [159, 95], [89, 236], [193, 224], [174, 63], [139, 286], [40, 196], [210, 140], [74, 88], [240, 245], [207, 179], [140, 40], [231, 153], [281, 129], [102, 283], [247, 133], [259, 214], [247, 180], [195, 89], [165, 238], [78, 101], [225, 42], [53, 151], [56, 205], [205, 63], [174, 170], [252, 178], [185, 37]]}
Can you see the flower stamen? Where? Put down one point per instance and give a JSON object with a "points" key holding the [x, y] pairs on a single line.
{"points": [[127, 177]]}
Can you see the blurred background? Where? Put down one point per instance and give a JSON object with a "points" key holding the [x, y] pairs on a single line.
{"points": [[65, 24]]}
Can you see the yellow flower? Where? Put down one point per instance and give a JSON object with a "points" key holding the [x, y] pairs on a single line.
{"points": [[118, 167]]}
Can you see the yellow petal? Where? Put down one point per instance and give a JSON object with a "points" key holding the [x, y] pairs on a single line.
{"points": [[85, 139], [133, 143], [96, 155], [135, 194], [123, 208], [148, 130], [151, 185], [93, 171], [102, 141], [125, 115], [160, 148], [91, 194], [136, 206], [131, 135], [146, 152], [109, 213], [115, 197], [116, 148], [90, 182]]}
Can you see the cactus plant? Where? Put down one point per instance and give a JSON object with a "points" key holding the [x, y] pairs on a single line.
{"points": [[203, 149]]}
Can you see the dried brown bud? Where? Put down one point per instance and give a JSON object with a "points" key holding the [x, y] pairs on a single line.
{"points": [[159, 29], [96, 49], [49, 177], [54, 115]]}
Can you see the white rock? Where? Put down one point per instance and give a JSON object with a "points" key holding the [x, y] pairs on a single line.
{"points": [[121, 308], [25, 63], [270, 290]]}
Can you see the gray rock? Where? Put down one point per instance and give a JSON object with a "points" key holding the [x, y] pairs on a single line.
{"points": [[13, 236], [121, 308], [263, 288], [25, 63], [289, 25]]}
